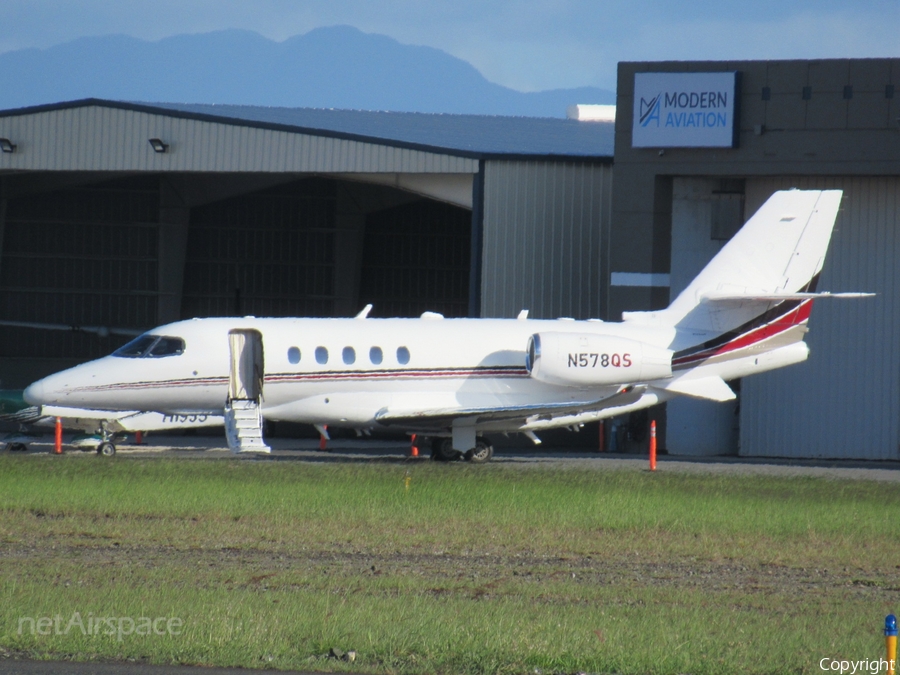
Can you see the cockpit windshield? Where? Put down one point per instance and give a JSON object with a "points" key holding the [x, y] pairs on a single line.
{"points": [[167, 346], [151, 346]]}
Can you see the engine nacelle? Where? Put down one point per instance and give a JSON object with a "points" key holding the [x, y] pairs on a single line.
{"points": [[585, 360]]}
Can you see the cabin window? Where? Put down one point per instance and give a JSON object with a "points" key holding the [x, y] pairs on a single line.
{"points": [[321, 355], [375, 355], [294, 355], [349, 355], [402, 355]]}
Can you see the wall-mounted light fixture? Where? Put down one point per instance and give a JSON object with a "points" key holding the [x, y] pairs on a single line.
{"points": [[158, 145], [7, 145]]}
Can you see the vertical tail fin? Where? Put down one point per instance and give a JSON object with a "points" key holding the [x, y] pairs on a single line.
{"points": [[775, 259]]}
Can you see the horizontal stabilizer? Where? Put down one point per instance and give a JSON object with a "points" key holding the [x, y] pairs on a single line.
{"points": [[713, 388], [714, 296]]}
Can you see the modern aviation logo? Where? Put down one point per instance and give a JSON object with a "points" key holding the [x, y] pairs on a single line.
{"points": [[650, 111], [685, 110]]}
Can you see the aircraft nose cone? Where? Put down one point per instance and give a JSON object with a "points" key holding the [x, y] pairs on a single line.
{"points": [[34, 393]]}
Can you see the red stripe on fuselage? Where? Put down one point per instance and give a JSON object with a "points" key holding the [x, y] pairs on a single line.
{"points": [[449, 373], [398, 374], [795, 317]]}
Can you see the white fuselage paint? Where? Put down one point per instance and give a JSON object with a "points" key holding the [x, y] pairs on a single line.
{"points": [[453, 363]]}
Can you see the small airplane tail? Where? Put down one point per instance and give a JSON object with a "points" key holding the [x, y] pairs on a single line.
{"points": [[757, 292]]}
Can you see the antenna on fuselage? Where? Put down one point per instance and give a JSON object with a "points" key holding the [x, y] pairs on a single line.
{"points": [[364, 312]]}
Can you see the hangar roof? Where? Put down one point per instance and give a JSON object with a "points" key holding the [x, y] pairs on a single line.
{"points": [[478, 136]]}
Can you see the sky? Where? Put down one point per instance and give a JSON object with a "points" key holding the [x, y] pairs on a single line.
{"points": [[528, 45]]}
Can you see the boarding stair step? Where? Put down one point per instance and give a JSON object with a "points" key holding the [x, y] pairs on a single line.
{"points": [[243, 427]]}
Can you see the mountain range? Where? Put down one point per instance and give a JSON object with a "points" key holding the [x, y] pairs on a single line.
{"points": [[334, 67]]}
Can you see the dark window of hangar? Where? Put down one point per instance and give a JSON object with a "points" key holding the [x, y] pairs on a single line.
{"points": [[416, 259], [269, 253], [79, 256]]}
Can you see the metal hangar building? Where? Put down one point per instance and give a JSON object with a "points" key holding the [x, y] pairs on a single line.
{"points": [[121, 216], [690, 170]]}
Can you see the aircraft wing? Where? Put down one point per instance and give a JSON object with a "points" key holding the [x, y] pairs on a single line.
{"points": [[131, 420], [102, 331], [442, 417]]}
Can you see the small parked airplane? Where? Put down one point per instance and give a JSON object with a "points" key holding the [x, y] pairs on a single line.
{"points": [[454, 379], [97, 426]]}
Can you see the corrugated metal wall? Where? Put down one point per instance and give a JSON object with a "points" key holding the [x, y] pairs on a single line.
{"points": [[543, 250], [845, 401], [97, 138]]}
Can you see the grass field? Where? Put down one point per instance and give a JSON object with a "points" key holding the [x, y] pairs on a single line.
{"points": [[436, 568]]}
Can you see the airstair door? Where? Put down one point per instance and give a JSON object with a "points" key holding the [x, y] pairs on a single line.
{"points": [[245, 381], [243, 417]]}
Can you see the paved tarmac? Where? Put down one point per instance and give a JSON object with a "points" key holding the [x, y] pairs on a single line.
{"points": [[372, 450]]}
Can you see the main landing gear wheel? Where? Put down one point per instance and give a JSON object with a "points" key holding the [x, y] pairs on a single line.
{"points": [[106, 449], [481, 453], [16, 447], [442, 450]]}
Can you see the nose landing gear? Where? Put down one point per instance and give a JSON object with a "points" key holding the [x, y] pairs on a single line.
{"points": [[106, 447]]}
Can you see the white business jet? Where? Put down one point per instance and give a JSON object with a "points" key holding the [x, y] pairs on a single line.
{"points": [[454, 379], [98, 427]]}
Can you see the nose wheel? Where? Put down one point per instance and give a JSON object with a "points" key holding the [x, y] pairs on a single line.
{"points": [[106, 448]]}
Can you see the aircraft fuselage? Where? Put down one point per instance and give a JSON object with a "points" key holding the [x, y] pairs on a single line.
{"points": [[341, 371]]}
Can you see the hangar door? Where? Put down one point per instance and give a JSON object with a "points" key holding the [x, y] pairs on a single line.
{"points": [[82, 256], [320, 247], [416, 258], [706, 212], [268, 253], [844, 402]]}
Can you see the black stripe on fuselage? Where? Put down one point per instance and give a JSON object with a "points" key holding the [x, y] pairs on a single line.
{"points": [[314, 376], [781, 309]]}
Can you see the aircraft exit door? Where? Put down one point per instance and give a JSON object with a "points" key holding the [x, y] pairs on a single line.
{"points": [[247, 368]]}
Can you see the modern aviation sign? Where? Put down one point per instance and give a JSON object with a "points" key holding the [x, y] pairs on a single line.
{"points": [[684, 110]]}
